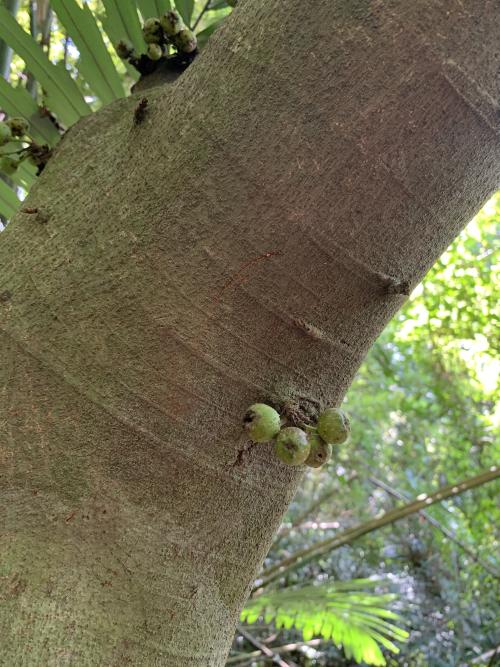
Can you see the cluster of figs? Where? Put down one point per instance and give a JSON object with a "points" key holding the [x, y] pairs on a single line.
{"points": [[311, 445], [13, 129], [160, 34]]}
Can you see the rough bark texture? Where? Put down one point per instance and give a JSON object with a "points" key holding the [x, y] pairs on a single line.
{"points": [[235, 246]]}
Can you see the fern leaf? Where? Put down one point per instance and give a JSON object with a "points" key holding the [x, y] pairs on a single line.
{"points": [[349, 613]]}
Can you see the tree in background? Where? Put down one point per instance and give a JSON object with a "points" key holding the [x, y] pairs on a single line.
{"points": [[171, 268]]}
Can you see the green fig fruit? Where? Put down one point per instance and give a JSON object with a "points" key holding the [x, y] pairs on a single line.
{"points": [[155, 52], [333, 426], [5, 134], [124, 49], [262, 422], [152, 31], [172, 23], [18, 126], [9, 165], [321, 451], [185, 41], [292, 446]]}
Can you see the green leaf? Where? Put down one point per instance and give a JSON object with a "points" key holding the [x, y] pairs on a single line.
{"points": [[25, 176], [122, 22], [9, 202], [16, 101], [344, 612], [63, 97], [185, 9], [203, 35], [151, 8], [95, 63]]}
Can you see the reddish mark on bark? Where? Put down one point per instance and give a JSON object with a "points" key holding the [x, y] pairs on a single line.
{"points": [[70, 516], [34, 210], [239, 278]]}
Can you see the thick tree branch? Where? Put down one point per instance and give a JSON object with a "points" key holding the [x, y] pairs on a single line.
{"points": [[183, 271]]}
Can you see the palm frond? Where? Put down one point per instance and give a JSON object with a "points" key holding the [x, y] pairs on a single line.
{"points": [[122, 22], [185, 9], [26, 172], [63, 96], [9, 202], [349, 613], [25, 176], [95, 64], [204, 34], [149, 8]]}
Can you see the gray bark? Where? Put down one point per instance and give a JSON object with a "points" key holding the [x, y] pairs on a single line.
{"points": [[245, 242]]}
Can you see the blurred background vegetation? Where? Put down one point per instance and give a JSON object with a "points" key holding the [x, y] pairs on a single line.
{"points": [[392, 546], [425, 414]]}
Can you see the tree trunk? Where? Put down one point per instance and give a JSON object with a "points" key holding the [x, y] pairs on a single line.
{"points": [[247, 241]]}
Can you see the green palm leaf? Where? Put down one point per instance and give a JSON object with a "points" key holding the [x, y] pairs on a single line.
{"points": [[25, 176], [204, 34], [149, 8], [9, 202], [122, 22], [63, 96], [185, 9], [344, 612], [26, 172], [95, 63], [16, 101]]}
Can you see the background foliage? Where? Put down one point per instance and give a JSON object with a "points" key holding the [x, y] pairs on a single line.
{"points": [[424, 405], [425, 413]]}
